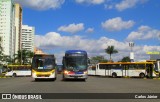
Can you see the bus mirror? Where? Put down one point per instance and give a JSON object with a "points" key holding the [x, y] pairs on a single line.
{"points": [[88, 61], [63, 60]]}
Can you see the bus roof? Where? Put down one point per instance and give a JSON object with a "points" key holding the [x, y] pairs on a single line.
{"points": [[127, 63], [75, 51], [44, 55]]}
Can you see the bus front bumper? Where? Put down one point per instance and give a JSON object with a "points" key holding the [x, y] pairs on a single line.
{"points": [[42, 76], [79, 76]]}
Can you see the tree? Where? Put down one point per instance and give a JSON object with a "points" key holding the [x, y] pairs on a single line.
{"points": [[24, 55], [1, 51], [126, 59], [110, 50], [97, 59], [3, 58]]}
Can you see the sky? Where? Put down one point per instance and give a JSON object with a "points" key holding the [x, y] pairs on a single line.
{"points": [[93, 25]]}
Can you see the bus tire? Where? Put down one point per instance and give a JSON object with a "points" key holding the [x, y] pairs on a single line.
{"points": [[84, 80], [114, 75], [14, 75], [141, 75], [54, 79], [36, 79]]}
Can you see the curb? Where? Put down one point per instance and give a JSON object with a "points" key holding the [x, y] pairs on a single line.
{"points": [[156, 78], [4, 77], [127, 77]]}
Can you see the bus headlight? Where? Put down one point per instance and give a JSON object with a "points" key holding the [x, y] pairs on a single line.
{"points": [[34, 74], [66, 72], [85, 72], [52, 73]]}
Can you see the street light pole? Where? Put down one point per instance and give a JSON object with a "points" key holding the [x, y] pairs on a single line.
{"points": [[131, 44]]}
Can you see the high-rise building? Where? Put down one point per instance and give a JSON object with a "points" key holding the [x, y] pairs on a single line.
{"points": [[17, 26], [27, 38], [6, 26]]}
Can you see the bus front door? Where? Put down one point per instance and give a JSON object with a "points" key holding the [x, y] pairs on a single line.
{"points": [[149, 70]]}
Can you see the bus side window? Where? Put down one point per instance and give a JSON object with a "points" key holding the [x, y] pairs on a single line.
{"points": [[101, 66], [124, 67], [93, 68], [116, 66], [132, 66], [112, 66], [108, 67], [141, 66]]}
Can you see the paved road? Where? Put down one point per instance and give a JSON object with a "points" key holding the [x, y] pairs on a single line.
{"points": [[92, 85]]}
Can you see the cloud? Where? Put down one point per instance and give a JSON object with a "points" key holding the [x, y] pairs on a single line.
{"points": [[124, 4], [117, 24], [72, 28], [95, 2], [143, 33], [41, 4], [90, 30], [94, 47]]}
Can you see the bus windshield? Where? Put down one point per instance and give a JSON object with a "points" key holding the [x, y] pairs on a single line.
{"points": [[76, 63], [43, 63]]}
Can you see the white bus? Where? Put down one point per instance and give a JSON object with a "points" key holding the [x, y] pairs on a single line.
{"points": [[156, 64], [124, 69], [18, 70]]}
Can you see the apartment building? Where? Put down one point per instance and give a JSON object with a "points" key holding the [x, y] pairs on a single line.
{"points": [[27, 38], [6, 26], [17, 26]]}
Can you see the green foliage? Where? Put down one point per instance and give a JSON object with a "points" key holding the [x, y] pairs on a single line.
{"points": [[25, 55], [126, 59], [1, 52], [97, 59], [111, 50]]}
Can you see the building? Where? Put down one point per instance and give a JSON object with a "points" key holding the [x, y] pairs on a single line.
{"points": [[27, 39], [17, 26], [38, 51], [154, 55], [6, 26]]}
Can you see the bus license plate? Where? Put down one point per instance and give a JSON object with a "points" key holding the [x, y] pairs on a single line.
{"points": [[42, 76], [76, 77]]}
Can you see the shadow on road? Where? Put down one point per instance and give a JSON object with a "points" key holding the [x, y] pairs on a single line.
{"points": [[73, 80], [43, 80]]}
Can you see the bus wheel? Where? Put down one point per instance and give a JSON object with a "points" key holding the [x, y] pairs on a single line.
{"points": [[83, 79], [54, 79], [14, 75], [36, 79], [114, 75], [141, 75]]}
